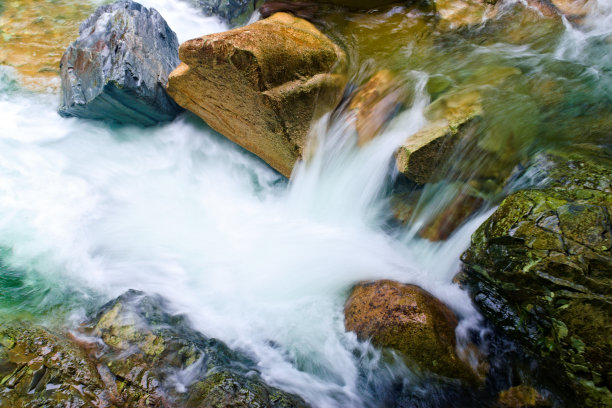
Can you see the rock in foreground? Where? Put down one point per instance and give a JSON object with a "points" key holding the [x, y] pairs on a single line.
{"points": [[42, 369], [540, 268], [132, 354], [118, 67], [410, 320], [262, 85]]}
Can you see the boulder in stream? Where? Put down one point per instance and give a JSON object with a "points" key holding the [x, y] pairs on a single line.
{"points": [[118, 67], [540, 269], [408, 319], [262, 85]]}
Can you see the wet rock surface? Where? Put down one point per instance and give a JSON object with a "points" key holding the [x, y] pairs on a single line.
{"points": [[540, 269], [262, 85], [410, 320], [118, 67], [133, 353], [452, 118], [41, 369], [33, 37], [374, 104]]}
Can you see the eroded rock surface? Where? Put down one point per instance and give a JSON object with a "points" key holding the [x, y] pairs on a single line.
{"points": [[118, 67], [41, 369], [540, 268], [262, 85], [374, 103], [132, 354]]}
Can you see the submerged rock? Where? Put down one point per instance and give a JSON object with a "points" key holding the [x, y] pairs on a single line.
{"points": [[33, 36], [540, 269], [446, 221], [410, 320], [374, 103], [262, 85], [118, 67], [149, 349], [133, 353], [452, 117]]}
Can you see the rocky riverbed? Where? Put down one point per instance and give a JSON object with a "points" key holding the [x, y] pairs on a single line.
{"points": [[311, 204]]}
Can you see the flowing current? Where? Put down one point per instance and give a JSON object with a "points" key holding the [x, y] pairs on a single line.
{"points": [[89, 210]]}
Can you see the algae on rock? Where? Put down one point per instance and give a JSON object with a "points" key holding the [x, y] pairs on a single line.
{"points": [[131, 354], [540, 269]]}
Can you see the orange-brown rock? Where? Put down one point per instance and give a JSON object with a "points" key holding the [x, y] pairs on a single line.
{"points": [[573, 9], [410, 320], [374, 103], [262, 85]]}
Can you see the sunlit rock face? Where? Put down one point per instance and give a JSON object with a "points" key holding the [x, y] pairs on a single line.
{"points": [[118, 67], [262, 85], [539, 269]]}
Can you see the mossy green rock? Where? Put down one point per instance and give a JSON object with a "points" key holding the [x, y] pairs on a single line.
{"points": [[222, 389], [41, 369], [132, 354], [540, 268], [149, 347]]}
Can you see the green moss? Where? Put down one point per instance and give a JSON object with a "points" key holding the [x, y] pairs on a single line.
{"points": [[547, 254]]}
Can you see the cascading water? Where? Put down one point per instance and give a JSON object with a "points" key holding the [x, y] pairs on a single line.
{"points": [[89, 210]]}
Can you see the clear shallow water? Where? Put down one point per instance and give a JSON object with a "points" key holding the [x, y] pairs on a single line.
{"points": [[89, 210]]}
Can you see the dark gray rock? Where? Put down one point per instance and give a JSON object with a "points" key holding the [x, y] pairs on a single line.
{"points": [[118, 67]]}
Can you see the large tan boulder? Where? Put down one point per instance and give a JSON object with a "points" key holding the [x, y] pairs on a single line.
{"points": [[262, 85], [410, 320]]}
